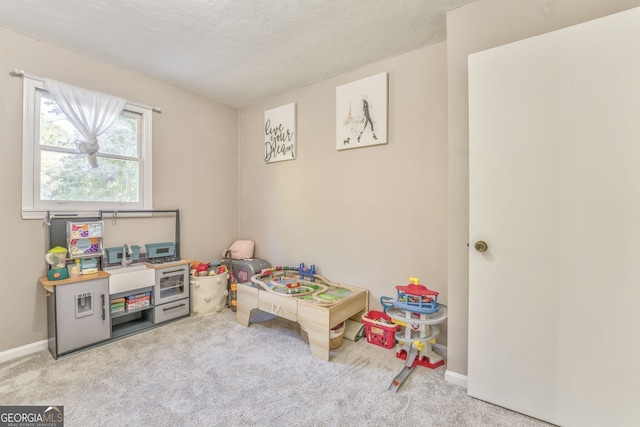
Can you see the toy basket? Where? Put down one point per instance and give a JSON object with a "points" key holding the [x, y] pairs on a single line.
{"points": [[336, 335], [379, 329]]}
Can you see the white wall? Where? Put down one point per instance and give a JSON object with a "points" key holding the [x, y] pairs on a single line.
{"points": [[369, 217]]}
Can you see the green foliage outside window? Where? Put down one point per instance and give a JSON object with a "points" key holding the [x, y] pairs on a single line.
{"points": [[65, 174]]}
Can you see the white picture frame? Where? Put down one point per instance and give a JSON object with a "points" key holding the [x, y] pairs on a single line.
{"points": [[361, 112], [280, 133]]}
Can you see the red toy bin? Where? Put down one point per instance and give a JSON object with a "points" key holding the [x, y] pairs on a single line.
{"points": [[379, 328]]}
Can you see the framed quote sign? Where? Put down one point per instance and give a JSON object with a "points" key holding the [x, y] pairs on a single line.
{"points": [[280, 133]]}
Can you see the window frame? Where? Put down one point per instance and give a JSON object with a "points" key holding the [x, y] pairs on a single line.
{"points": [[32, 206]]}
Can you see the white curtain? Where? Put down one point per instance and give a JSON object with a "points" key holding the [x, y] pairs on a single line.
{"points": [[90, 112]]}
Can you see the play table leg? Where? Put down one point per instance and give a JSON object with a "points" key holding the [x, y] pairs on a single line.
{"points": [[247, 301], [316, 322]]}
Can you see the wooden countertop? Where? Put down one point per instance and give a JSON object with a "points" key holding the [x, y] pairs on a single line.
{"points": [[44, 281], [81, 278]]}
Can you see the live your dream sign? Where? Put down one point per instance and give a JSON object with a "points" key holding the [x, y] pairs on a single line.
{"points": [[280, 134]]}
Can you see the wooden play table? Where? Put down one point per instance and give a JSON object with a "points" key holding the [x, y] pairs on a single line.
{"points": [[317, 305]]}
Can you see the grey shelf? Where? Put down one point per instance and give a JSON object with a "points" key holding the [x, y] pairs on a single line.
{"points": [[125, 312], [131, 321], [130, 327]]}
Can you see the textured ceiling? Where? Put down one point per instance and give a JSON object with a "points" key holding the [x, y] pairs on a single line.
{"points": [[234, 51]]}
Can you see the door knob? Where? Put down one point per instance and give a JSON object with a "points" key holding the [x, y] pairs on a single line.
{"points": [[481, 246]]}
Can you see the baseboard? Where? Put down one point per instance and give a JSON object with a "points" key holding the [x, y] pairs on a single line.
{"points": [[455, 378], [14, 353]]}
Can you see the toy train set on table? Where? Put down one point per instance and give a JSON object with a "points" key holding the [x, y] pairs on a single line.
{"points": [[413, 318], [318, 305], [300, 282]]}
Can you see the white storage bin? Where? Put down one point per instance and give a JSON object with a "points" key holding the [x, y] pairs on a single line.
{"points": [[208, 293]]}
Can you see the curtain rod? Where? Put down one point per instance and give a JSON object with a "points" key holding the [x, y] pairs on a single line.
{"points": [[21, 74]]}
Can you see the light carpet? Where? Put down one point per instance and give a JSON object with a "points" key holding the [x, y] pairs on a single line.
{"points": [[207, 370]]}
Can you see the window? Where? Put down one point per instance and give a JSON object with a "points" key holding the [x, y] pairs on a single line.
{"points": [[57, 178]]}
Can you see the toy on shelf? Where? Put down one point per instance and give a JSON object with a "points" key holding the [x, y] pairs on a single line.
{"points": [[417, 311], [84, 238], [57, 257]]}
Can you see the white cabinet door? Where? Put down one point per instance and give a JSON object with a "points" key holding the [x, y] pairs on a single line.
{"points": [[555, 192]]}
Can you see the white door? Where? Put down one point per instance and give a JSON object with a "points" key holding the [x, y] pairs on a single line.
{"points": [[554, 303]]}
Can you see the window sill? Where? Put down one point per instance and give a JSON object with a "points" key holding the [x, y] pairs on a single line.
{"points": [[42, 215]]}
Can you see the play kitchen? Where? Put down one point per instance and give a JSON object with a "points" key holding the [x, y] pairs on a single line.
{"points": [[95, 294]]}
